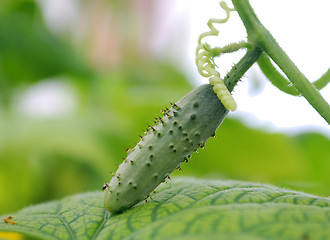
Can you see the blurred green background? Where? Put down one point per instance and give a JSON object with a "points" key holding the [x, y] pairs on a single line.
{"points": [[71, 103]]}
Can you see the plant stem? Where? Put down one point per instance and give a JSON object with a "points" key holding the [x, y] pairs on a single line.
{"points": [[236, 73], [261, 37], [323, 80], [281, 82], [275, 77]]}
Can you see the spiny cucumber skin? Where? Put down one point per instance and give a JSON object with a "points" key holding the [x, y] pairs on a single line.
{"points": [[185, 128]]}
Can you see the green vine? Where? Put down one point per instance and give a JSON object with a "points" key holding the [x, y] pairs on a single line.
{"points": [[261, 47], [281, 82]]}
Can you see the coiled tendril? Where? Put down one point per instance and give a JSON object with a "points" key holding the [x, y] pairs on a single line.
{"points": [[206, 66]]}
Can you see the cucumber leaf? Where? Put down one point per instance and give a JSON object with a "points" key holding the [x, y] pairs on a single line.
{"points": [[181, 209]]}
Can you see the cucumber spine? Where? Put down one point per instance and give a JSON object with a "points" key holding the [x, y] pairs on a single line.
{"points": [[184, 128]]}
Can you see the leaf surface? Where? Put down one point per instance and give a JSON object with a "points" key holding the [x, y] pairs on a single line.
{"points": [[182, 209]]}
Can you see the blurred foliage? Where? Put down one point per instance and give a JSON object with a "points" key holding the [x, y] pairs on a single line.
{"points": [[29, 52], [47, 158], [300, 162]]}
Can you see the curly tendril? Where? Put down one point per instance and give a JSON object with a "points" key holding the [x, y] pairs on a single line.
{"points": [[205, 64]]}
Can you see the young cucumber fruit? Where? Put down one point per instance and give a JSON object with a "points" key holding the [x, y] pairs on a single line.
{"points": [[185, 127]]}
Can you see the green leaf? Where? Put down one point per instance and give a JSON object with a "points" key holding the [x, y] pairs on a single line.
{"points": [[183, 209]]}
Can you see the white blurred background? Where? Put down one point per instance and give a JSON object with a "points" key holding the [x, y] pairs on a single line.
{"points": [[170, 29]]}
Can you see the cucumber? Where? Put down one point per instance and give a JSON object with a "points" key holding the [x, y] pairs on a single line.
{"points": [[184, 128]]}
